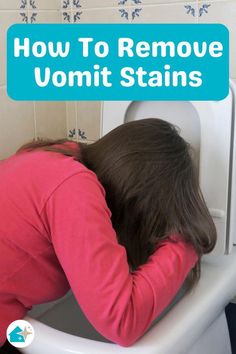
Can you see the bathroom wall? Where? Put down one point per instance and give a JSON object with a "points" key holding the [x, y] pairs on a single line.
{"points": [[23, 121]]}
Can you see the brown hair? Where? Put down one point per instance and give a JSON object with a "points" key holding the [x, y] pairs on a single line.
{"points": [[151, 187]]}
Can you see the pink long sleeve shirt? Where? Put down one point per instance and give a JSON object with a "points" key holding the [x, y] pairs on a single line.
{"points": [[56, 233]]}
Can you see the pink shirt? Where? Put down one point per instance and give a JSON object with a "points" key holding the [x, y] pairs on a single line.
{"points": [[56, 233]]}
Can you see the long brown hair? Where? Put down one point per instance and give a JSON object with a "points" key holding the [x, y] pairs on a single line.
{"points": [[151, 187]]}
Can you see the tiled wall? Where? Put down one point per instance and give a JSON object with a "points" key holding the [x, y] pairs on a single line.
{"points": [[22, 121]]}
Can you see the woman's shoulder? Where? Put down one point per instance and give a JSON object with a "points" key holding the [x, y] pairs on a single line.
{"points": [[53, 167], [38, 173]]}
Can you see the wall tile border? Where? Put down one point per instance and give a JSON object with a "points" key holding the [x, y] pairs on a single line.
{"points": [[129, 10]]}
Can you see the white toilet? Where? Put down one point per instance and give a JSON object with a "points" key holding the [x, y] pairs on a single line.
{"points": [[196, 323]]}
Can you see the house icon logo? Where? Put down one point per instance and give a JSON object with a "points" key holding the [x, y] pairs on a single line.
{"points": [[20, 334]]}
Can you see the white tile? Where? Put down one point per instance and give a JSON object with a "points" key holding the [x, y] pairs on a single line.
{"points": [[72, 130], [16, 124], [66, 17], [44, 17], [45, 4], [30, 4], [66, 5], [12, 4], [70, 17], [88, 117], [50, 119], [168, 13], [105, 15], [101, 3], [223, 12], [7, 18], [154, 2]]}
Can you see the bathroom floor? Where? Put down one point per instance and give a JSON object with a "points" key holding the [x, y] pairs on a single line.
{"points": [[230, 312]]}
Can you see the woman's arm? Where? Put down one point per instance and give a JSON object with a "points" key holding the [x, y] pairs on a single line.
{"points": [[120, 305]]}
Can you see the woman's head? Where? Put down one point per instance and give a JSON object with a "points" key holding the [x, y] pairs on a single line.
{"points": [[151, 188]]}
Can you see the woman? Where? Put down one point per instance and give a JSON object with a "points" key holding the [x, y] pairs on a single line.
{"points": [[121, 221]]}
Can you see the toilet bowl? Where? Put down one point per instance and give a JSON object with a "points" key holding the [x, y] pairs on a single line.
{"points": [[196, 322]]}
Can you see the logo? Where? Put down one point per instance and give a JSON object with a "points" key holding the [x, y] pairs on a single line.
{"points": [[20, 334]]}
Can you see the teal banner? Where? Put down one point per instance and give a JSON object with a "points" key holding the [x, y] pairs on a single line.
{"points": [[118, 62]]}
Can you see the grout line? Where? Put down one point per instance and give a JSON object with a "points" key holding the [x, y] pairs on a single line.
{"points": [[44, 10], [30, 10], [67, 123], [130, 5], [28, 14], [129, 11], [35, 121], [101, 118], [76, 121], [86, 141], [94, 8], [71, 15], [197, 11], [135, 6], [72, 10]]}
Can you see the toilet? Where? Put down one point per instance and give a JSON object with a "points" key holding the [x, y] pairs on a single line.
{"points": [[196, 322]]}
